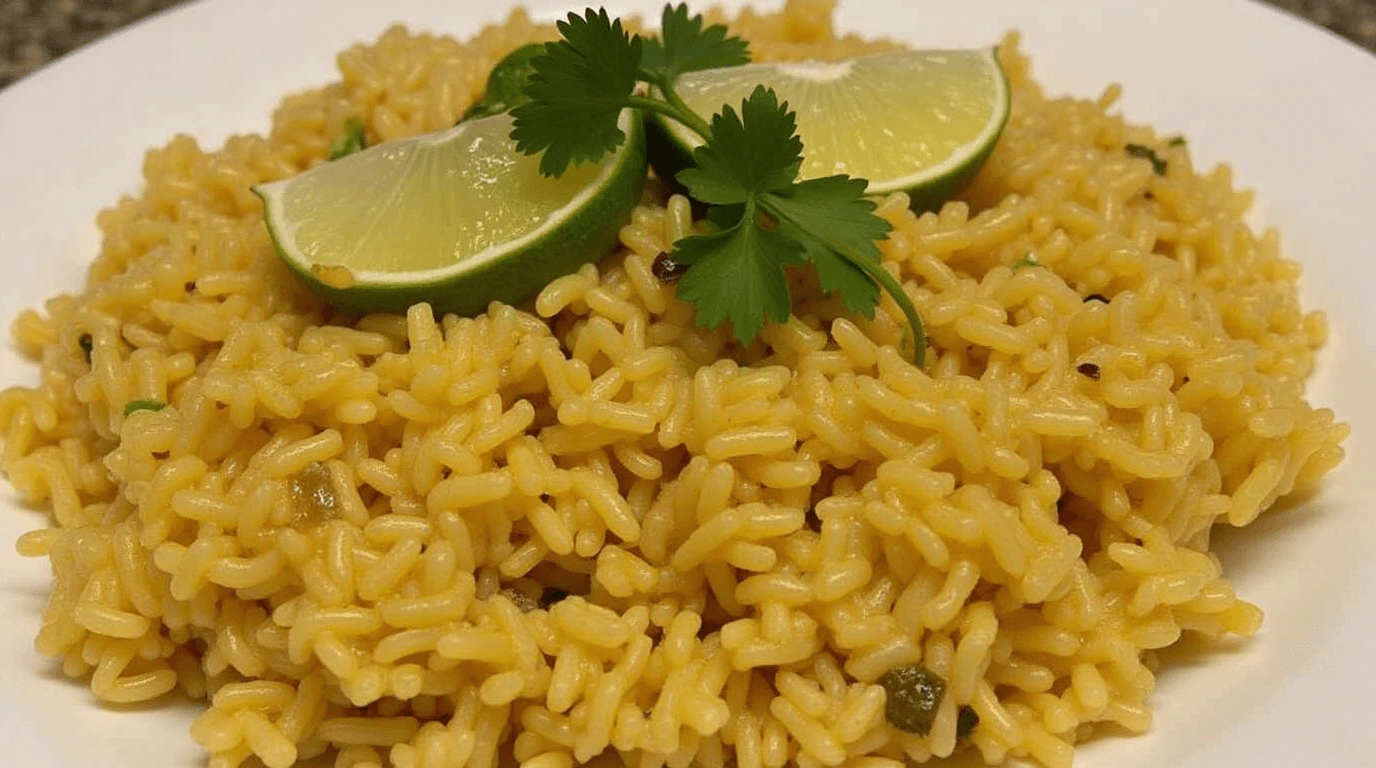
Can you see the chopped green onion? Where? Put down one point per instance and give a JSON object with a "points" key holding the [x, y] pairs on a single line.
{"points": [[143, 405], [1158, 165], [350, 141]]}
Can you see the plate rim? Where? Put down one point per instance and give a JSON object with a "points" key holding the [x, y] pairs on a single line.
{"points": [[40, 78]]}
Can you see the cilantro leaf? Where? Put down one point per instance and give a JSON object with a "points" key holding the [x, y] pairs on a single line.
{"points": [[506, 83], [738, 275], [687, 47], [725, 216], [753, 152], [830, 217], [859, 293], [577, 91], [748, 167]]}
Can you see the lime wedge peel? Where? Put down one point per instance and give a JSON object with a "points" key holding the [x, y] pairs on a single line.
{"points": [[878, 116], [388, 227]]}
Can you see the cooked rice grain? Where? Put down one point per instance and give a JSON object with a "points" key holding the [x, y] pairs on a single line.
{"points": [[592, 528]]}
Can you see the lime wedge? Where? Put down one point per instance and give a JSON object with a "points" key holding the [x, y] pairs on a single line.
{"points": [[457, 218], [918, 121]]}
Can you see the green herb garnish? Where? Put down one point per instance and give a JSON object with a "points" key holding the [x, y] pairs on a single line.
{"points": [[1176, 141], [578, 89], [350, 141], [1158, 165], [506, 83], [746, 171], [748, 167], [1024, 262], [87, 345], [684, 46], [143, 405], [911, 697]]}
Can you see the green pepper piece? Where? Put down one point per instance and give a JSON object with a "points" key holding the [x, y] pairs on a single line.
{"points": [[912, 695], [350, 141], [134, 406]]}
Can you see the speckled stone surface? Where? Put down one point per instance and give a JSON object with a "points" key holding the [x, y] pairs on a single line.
{"points": [[34, 32]]}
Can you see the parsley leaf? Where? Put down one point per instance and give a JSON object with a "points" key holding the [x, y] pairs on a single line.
{"points": [[738, 275], [755, 151], [687, 47], [1024, 262], [350, 141], [577, 91], [1176, 141]]}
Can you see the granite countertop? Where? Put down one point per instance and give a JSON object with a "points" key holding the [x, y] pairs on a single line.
{"points": [[34, 32]]}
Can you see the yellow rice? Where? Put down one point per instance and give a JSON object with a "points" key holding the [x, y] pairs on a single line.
{"points": [[338, 532]]}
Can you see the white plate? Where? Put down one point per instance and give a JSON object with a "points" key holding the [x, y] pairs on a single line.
{"points": [[1291, 106]]}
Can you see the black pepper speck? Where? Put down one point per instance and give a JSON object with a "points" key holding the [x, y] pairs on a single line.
{"points": [[666, 269]]}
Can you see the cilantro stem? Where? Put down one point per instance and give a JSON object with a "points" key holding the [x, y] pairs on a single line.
{"points": [[900, 297], [699, 126], [876, 272], [674, 112]]}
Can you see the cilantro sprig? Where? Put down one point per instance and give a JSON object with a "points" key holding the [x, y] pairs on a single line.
{"points": [[506, 83], [746, 171]]}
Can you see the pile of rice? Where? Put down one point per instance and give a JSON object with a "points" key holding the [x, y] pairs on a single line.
{"points": [[350, 535]]}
